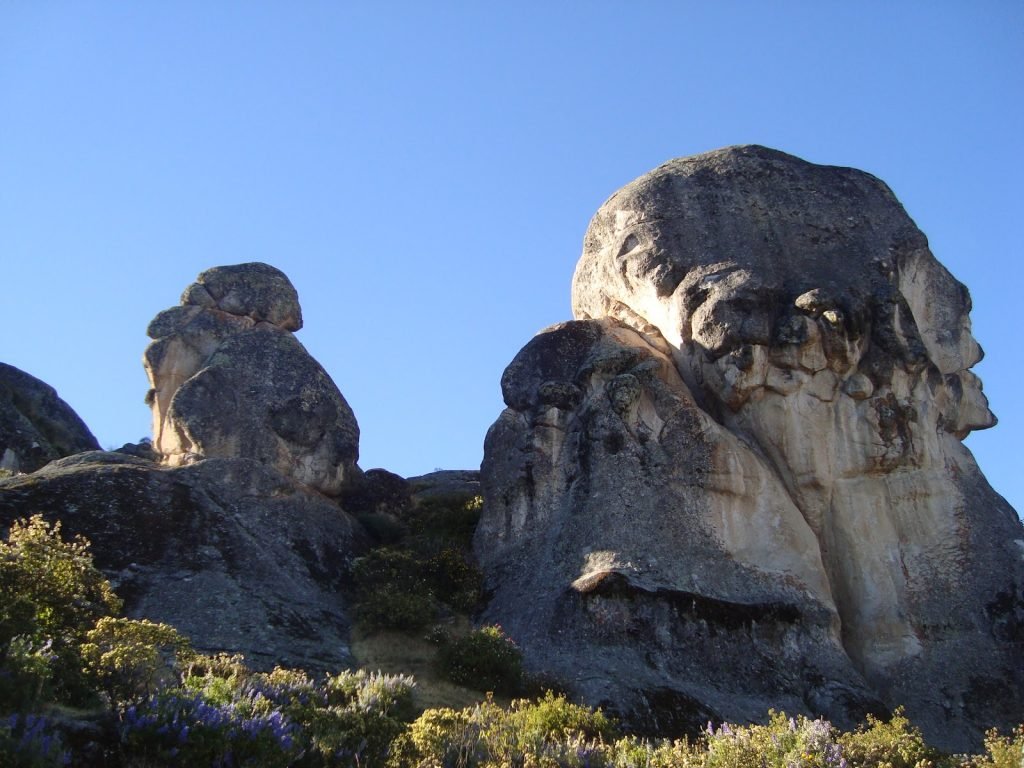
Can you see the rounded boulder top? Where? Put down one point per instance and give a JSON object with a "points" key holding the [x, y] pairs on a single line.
{"points": [[721, 248], [256, 290]]}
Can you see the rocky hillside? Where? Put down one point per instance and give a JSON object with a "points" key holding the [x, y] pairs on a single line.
{"points": [[735, 481]]}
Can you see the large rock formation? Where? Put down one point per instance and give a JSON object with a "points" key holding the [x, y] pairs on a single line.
{"points": [[36, 426], [230, 552], [738, 481], [229, 380]]}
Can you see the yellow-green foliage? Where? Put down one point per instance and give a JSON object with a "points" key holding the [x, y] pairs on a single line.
{"points": [[893, 744], [50, 596], [486, 659], [49, 586], [130, 658], [549, 732], [1001, 751]]}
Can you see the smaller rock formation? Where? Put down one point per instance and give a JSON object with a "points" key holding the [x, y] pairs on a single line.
{"points": [[221, 527], [36, 426], [229, 380], [452, 483]]}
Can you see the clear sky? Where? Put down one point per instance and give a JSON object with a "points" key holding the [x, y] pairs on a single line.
{"points": [[424, 173]]}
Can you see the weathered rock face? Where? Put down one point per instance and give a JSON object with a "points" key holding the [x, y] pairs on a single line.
{"points": [[819, 356], [641, 550], [229, 380], [230, 552], [36, 426]]}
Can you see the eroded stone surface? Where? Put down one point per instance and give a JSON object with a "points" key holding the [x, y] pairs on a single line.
{"points": [[638, 549], [36, 426], [825, 354], [228, 379]]}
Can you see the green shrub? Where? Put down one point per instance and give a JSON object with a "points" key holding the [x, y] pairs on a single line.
{"points": [[177, 728], [893, 744], [51, 594], [131, 658], [447, 520], [486, 660], [1001, 751], [454, 580], [553, 717], [784, 742], [389, 567], [551, 733], [391, 608], [226, 715], [393, 591]]}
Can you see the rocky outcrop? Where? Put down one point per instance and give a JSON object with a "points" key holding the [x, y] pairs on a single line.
{"points": [[450, 483], [223, 526], [744, 467], [230, 552], [229, 380], [36, 426]]}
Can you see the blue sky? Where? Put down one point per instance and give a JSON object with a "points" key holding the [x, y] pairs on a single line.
{"points": [[424, 173]]}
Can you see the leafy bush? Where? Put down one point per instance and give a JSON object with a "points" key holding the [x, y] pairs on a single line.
{"points": [[391, 608], [448, 520], [454, 580], [399, 589], [893, 744], [486, 660], [282, 717], [50, 596], [552, 717], [389, 567], [782, 743], [349, 718], [131, 658], [1001, 751], [550, 732]]}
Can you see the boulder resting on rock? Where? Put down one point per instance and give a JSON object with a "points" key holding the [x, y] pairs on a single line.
{"points": [[229, 380]]}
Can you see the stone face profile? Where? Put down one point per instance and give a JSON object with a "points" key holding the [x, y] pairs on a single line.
{"points": [[36, 426], [228, 379], [742, 465]]}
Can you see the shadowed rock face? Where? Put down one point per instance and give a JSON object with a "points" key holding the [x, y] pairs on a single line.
{"points": [[230, 380], [821, 356], [234, 555], [36, 426]]}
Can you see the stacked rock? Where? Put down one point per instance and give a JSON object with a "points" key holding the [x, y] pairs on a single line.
{"points": [[230, 380]]}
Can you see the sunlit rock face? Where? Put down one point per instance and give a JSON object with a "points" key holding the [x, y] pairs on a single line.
{"points": [[825, 354], [229, 380]]}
